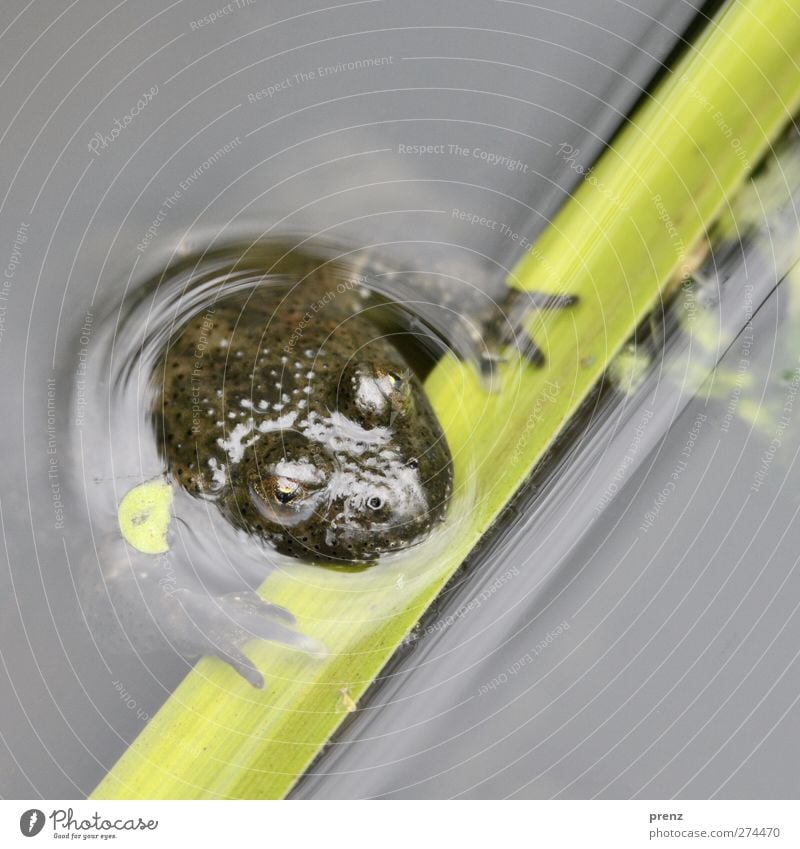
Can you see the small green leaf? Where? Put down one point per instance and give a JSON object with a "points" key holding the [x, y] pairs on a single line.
{"points": [[144, 515]]}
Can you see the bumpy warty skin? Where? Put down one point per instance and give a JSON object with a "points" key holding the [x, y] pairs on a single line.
{"points": [[291, 409]]}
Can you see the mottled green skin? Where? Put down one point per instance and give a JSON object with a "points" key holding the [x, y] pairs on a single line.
{"points": [[291, 409]]}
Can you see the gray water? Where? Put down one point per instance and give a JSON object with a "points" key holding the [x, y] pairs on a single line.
{"points": [[676, 672]]}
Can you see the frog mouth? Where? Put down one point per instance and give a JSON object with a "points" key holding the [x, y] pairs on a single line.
{"points": [[355, 551], [346, 540], [328, 540]]}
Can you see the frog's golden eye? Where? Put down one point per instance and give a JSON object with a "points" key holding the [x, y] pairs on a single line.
{"points": [[374, 393], [283, 499], [396, 382], [289, 480], [286, 490]]}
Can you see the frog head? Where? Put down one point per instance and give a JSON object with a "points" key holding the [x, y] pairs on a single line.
{"points": [[340, 489]]}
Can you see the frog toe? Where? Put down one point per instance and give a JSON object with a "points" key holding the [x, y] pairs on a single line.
{"points": [[510, 330], [252, 602], [532, 352], [489, 371], [264, 627], [548, 301], [233, 656]]}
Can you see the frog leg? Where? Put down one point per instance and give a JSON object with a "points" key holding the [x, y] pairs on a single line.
{"points": [[220, 625], [134, 600], [477, 322], [508, 328], [193, 619]]}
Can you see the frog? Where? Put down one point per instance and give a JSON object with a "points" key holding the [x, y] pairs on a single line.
{"points": [[287, 407], [310, 429]]}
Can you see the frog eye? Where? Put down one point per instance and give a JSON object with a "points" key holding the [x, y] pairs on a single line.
{"points": [[397, 382], [282, 499], [289, 480], [286, 490], [375, 502], [374, 393]]}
